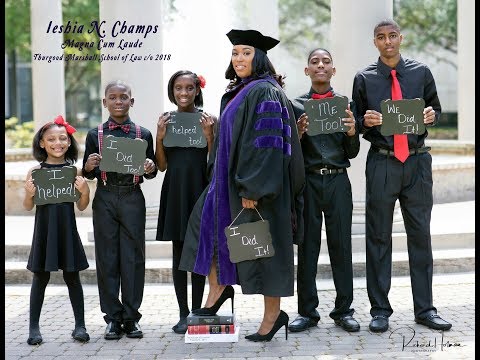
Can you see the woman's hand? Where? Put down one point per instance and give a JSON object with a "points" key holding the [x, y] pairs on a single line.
{"points": [[249, 204]]}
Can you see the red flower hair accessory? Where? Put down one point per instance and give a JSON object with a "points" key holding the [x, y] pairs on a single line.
{"points": [[202, 81], [59, 120]]}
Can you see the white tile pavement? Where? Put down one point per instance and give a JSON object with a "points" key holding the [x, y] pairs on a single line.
{"points": [[454, 297]]}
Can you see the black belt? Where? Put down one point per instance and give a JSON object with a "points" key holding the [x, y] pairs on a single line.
{"points": [[327, 171], [390, 153], [118, 189]]}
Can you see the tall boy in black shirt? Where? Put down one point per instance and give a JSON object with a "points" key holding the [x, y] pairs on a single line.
{"points": [[391, 176]]}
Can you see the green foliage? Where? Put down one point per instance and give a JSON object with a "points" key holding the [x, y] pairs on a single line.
{"points": [[79, 75], [20, 135], [17, 28], [304, 25], [429, 25]]}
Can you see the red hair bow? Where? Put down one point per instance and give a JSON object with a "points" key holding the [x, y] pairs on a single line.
{"points": [[202, 81], [59, 120]]}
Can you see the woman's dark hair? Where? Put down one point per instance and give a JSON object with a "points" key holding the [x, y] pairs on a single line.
{"points": [[198, 102], [318, 49], [41, 155], [261, 67]]}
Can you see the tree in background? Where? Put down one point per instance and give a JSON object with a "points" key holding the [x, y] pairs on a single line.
{"points": [[17, 41], [429, 25], [303, 24], [79, 75], [82, 78]]}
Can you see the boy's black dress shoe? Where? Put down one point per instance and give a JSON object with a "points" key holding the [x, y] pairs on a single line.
{"points": [[379, 323], [434, 321], [132, 329], [348, 323], [301, 323], [80, 334], [181, 326], [113, 331]]}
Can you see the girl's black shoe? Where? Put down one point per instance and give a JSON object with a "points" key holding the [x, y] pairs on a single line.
{"points": [[228, 293], [282, 320], [34, 338], [181, 327]]}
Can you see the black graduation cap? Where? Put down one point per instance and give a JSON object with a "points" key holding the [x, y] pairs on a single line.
{"points": [[252, 38]]}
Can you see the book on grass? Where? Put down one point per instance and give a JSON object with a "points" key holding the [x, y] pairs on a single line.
{"points": [[204, 338], [211, 329], [225, 318]]}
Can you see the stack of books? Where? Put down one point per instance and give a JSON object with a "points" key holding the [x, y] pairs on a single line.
{"points": [[220, 327]]}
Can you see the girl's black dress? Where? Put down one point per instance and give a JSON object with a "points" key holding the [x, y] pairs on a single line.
{"points": [[185, 179], [56, 243]]}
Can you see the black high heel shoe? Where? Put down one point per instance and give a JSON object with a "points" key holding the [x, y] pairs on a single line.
{"points": [[282, 320], [227, 293]]}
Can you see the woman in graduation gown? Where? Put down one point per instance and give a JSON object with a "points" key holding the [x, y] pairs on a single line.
{"points": [[257, 163]]}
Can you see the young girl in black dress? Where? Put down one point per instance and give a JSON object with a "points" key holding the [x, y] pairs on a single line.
{"points": [[56, 243], [184, 181]]}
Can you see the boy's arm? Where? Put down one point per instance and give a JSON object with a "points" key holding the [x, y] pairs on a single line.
{"points": [[91, 147], [150, 156]]}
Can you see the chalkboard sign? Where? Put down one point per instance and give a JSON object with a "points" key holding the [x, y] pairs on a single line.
{"points": [[249, 241], [402, 116], [185, 130], [123, 155], [325, 115], [55, 185]]}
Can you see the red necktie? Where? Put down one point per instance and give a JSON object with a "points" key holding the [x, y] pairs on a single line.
{"points": [[113, 125], [400, 141], [322, 96]]}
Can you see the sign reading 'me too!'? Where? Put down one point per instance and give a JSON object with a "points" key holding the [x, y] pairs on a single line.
{"points": [[55, 185], [325, 115]]}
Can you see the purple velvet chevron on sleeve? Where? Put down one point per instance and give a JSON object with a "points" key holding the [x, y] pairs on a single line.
{"points": [[280, 141], [268, 106]]}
